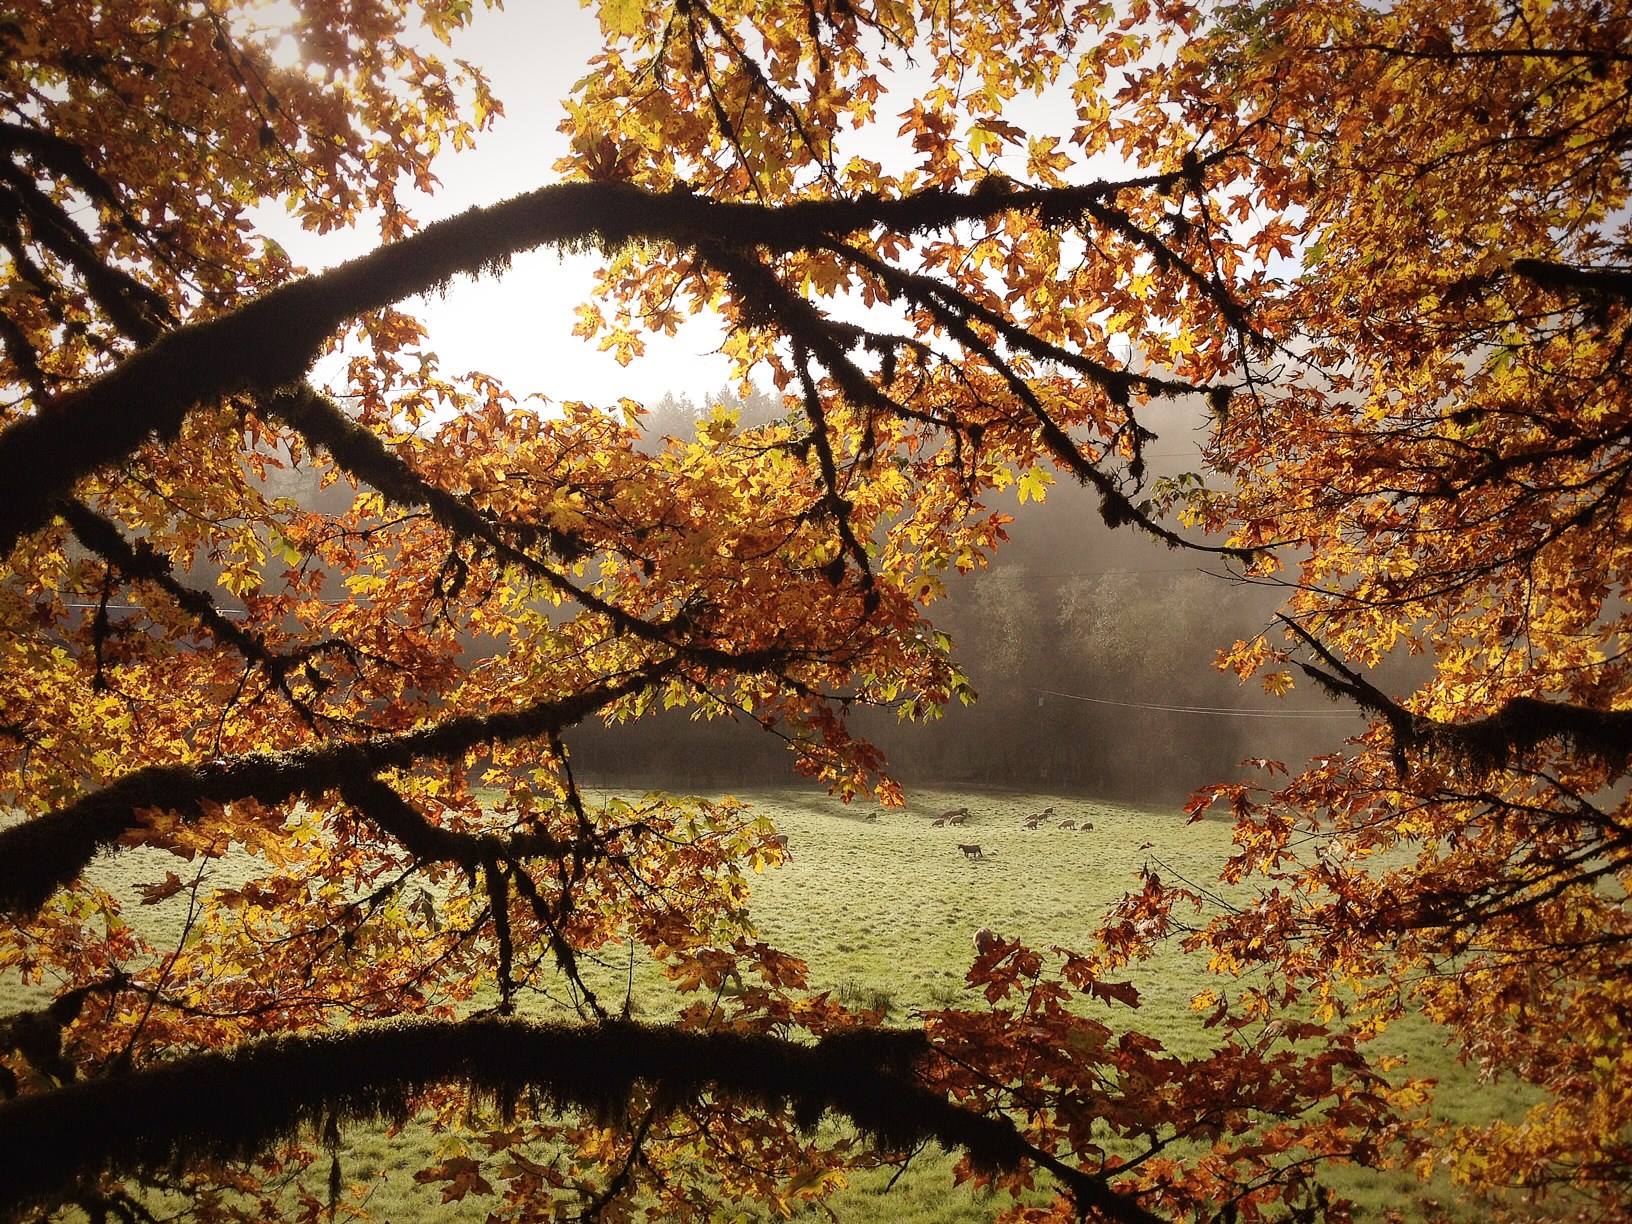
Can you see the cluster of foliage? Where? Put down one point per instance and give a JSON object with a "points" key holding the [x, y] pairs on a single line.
{"points": [[1386, 244]]}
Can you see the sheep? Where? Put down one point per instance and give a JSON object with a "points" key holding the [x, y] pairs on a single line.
{"points": [[970, 851], [985, 940], [1042, 818]]}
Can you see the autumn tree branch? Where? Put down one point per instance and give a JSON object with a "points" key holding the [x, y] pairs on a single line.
{"points": [[231, 1105], [41, 854], [140, 561], [271, 341], [1613, 283], [1515, 727]]}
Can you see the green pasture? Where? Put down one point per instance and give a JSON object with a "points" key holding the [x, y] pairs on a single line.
{"points": [[883, 906]]}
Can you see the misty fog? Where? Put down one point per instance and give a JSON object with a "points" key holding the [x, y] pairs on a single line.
{"points": [[1073, 639]]}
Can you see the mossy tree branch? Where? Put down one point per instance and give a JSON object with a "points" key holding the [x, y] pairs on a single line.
{"points": [[140, 561], [271, 341], [1492, 742], [41, 854], [231, 1105], [359, 451]]}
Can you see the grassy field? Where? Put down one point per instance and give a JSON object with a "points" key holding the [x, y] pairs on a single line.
{"points": [[883, 906]]}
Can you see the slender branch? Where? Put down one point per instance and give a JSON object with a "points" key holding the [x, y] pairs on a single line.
{"points": [[1449, 54], [322, 423], [140, 560]]}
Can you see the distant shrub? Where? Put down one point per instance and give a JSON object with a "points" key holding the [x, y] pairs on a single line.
{"points": [[866, 998]]}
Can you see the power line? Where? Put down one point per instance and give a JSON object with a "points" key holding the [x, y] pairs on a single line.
{"points": [[1018, 574], [1223, 711], [1216, 710]]}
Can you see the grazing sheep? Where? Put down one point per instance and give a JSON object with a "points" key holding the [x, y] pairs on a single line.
{"points": [[1068, 824], [955, 815], [985, 940], [780, 841], [970, 851], [1042, 818], [1087, 826]]}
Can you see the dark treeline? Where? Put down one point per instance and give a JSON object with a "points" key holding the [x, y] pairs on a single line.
{"points": [[1070, 638]]}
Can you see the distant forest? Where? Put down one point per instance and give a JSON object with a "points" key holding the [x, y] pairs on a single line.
{"points": [[1069, 638]]}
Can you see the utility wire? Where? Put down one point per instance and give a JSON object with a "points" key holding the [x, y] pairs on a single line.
{"points": [[1185, 709], [1217, 711]]}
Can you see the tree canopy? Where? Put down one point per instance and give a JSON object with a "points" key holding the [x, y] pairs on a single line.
{"points": [[1386, 244]]}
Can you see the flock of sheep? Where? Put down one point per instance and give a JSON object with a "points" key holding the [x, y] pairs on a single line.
{"points": [[960, 815]]}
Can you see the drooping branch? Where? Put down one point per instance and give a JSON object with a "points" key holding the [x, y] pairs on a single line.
{"points": [[383, 807], [837, 505], [1517, 726], [271, 341], [139, 560], [232, 1105], [39, 855], [359, 451], [826, 340]]}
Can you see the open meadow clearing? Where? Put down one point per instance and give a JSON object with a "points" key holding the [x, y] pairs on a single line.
{"points": [[889, 905]]}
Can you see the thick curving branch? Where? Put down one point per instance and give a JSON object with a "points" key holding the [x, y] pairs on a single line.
{"points": [[271, 341], [40, 855], [1515, 727], [232, 1105], [1606, 283]]}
